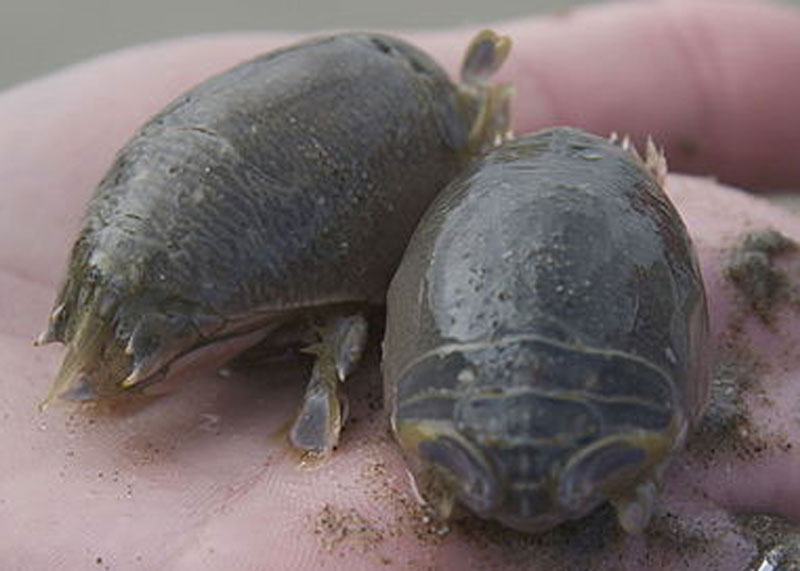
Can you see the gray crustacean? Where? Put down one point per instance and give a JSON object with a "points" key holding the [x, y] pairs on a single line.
{"points": [[277, 195], [546, 335]]}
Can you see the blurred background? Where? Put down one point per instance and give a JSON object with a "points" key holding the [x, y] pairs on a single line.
{"points": [[37, 36]]}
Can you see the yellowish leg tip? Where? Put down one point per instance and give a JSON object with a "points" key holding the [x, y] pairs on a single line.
{"points": [[43, 339], [48, 400], [635, 510], [131, 379]]}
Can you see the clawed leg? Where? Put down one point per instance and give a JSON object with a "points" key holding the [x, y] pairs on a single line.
{"points": [[322, 414]]}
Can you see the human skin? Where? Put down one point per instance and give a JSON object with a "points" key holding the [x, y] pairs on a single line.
{"points": [[201, 478]]}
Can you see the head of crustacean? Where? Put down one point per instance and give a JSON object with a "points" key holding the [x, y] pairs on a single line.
{"points": [[532, 459], [121, 321]]}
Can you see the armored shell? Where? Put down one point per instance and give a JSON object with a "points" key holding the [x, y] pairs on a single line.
{"points": [[285, 185], [546, 334]]}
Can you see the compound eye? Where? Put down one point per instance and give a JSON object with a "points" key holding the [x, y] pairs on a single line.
{"points": [[467, 471]]}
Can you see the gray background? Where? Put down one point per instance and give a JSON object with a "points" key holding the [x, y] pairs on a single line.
{"points": [[37, 36]]}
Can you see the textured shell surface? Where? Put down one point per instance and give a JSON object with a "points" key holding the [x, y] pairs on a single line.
{"points": [[546, 335], [289, 182]]}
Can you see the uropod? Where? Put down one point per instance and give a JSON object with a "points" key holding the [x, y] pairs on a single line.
{"points": [[546, 337], [272, 200]]}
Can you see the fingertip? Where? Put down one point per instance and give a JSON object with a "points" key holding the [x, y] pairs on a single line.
{"points": [[716, 83]]}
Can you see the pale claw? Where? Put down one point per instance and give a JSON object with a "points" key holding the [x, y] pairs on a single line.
{"points": [[348, 337], [634, 511]]}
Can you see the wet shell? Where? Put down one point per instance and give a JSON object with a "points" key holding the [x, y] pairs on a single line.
{"points": [[546, 334], [288, 184]]}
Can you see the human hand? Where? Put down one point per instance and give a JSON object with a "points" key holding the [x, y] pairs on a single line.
{"points": [[199, 479]]}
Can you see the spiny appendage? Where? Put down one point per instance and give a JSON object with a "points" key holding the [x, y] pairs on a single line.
{"points": [[112, 346], [485, 55], [94, 355], [51, 335], [323, 412], [654, 160]]}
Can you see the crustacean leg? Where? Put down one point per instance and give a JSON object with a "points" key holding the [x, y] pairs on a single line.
{"points": [[323, 411]]}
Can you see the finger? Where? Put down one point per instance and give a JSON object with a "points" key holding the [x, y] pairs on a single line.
{"points": [[716, 83]]}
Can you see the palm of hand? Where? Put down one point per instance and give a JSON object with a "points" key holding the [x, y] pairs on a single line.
{"points": [[193, 480]]}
